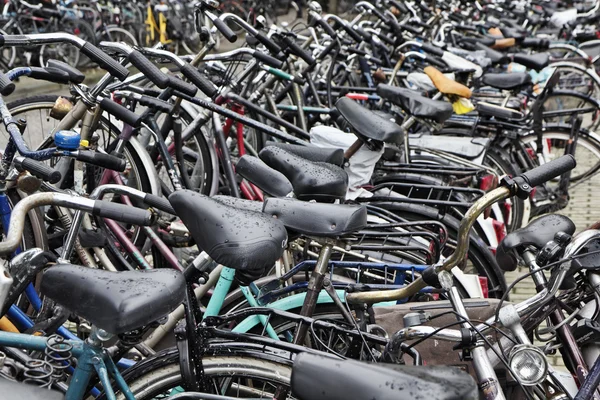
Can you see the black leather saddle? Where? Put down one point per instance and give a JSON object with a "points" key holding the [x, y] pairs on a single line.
{"points": [[509, 81], [368, 125], [266, 178], [318, 181], [115, 301], [536, 234], [416, 105], [236, 238], [248, 205], [495, 56], [536, 62], [317, 219], [312, 153], [312, 377]]}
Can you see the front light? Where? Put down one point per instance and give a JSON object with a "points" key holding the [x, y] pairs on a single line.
{"points": [[529, 364]]}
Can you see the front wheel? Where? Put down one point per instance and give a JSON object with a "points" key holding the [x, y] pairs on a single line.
{"points": [[235, 375]]}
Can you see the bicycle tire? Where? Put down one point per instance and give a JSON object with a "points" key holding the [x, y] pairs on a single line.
{"points": [[161, 372]]}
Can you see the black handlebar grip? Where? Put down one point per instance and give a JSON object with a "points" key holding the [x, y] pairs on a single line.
{"points": [[353, 34], [436, 51], [267, 59], [225, 30], [435, 61], [181, 86], [548, 171], [199, 80], [121, 112], [122, 213], [386, 39], [6, 85], [159, 203], [155, 104], [327, 28], [297, 50], [327, 50], [149, 70], [366, 35], [38, 169], [1, 40], [105, 61], [102, 160], [50, 74], [411, 29], [268, 43]]}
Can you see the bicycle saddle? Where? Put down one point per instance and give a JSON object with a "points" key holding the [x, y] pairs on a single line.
{"points": [[317, 219], [248, 205], [266, 178], [311, 180], [508, 81], [416, 105], [367, 124], [495, 56], [536, 62], [114, 301], [446, 85], [236, 238], [19, 390], [312, 153], [537, 234], [317, 377]]}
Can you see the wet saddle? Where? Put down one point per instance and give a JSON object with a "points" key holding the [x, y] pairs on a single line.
{"points": [[536, 234], [318, 181], [367, 124], [312, 377], [234, 237], [114, 301], [416, 105], [508, 81], [317, 219], [536, 62], [312, 153]]}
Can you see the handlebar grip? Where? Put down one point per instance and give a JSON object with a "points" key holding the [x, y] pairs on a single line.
{"points": [[297, 50], [225, 30], [105, 61], [6, 85], [181, 86], [386, 39], [366, 35], [327, 50], [1, 40], [435, 61], [121, 112], [102, 160], [268, 60], [149, 70], [50, 74], [159, 203], [268, 43], [410, 29], [546, 172], [155, 104], [327, 28], [353, 34], [122, 213], [38, 169], [436, 51], [199, 80]]}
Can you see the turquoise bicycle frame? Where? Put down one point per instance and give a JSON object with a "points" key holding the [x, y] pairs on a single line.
{"points": [[91, 358]]}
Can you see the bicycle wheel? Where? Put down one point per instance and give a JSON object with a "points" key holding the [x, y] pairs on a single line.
{"points": [[587, 108], [587, 153], [116, 34], [235, 375], [36, 111]]}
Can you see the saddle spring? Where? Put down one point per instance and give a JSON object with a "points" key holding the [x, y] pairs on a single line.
{"points": [[58, 355], [39, 373]]}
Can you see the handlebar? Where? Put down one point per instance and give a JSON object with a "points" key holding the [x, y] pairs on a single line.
{"points": [[514, 187]]}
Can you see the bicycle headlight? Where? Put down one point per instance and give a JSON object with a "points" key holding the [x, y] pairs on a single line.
{"points": [[529, 364]]}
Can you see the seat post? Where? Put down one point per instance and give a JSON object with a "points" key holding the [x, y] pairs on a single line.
{"points": [[315, 284]]}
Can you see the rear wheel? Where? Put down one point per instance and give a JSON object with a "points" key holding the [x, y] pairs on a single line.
{"points": [[241, 375]]}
